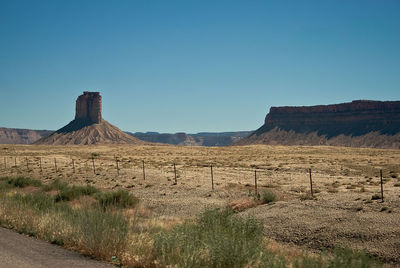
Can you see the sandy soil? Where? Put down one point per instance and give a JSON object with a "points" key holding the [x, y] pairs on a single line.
{"points": [[344, 181]]}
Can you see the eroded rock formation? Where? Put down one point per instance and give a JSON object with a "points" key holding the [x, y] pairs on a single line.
{"points": [[89, 127], [87, 112], [343, 124]]}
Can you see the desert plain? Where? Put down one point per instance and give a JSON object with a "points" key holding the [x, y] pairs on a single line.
{"points": [[346, 208]]}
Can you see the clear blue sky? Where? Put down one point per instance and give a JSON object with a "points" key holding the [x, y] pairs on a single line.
{"points": [[192, 66]]}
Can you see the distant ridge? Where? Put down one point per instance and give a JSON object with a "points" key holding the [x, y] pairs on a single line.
{"points": [[198, 139], [29, 136], [361, 123], [21, 136], [88, 127]]}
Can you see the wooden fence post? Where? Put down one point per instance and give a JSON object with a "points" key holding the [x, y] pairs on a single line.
{"points": [[381, 185], [116, 161], [212, 178], [5, 162], [94, 169], [73, 165], [55, 164], [175, 173], [40, 165], [144, 172], [255, 182], [27, 163], [15, 162], [312, 193]]}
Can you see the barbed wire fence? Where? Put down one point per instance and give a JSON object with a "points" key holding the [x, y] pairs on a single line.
{"points": [[211, 174]]}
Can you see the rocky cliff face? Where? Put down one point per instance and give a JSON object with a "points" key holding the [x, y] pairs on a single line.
{"points": [[88, 107], [343, 124]]}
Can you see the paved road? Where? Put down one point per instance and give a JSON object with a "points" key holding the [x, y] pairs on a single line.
{"points": [[20, 251]]}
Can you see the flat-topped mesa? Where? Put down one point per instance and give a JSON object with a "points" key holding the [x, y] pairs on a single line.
{"points": [[354, 118], [360, 123], [354, 106], [88, 107]]}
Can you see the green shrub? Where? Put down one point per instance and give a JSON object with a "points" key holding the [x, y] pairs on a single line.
{"points": [[55, 185], [268, 197], [376, 197], [37, 201], [72, 192], [119, 199], [341, 257], [345, 257], [215, 239], [22, 182], [4, 186], [309, 262]]}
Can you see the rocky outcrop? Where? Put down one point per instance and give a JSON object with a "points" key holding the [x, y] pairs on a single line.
{"points": [[359, 124], [21, 136], [88, 127]]}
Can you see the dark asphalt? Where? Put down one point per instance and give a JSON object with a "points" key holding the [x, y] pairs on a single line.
{"points": [[21, 251]]}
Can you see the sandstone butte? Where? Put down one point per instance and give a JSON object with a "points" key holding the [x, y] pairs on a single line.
{"points": [[88, 127], [361, 123]]}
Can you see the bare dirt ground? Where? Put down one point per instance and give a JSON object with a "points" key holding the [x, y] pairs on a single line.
{"points": [[344, 181]]}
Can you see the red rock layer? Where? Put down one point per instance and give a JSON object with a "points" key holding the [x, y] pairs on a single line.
{"points": [[88, 107]]}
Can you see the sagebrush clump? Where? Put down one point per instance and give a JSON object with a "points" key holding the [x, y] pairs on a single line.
{"points": [[120, 199], [268, 197]]}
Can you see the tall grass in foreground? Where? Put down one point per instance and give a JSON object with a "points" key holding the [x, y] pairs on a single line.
{"points": [[216, 238], [90, 229], [223, 239]]}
